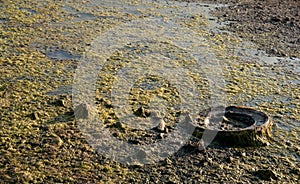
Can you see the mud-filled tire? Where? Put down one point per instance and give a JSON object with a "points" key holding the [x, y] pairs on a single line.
{"points": [[241, 126]]}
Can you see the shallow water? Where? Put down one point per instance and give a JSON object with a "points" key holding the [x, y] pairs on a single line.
{"points": [[61, 55]]}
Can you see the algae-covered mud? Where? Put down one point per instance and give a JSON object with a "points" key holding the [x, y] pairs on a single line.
{"points": [[44, 43]]}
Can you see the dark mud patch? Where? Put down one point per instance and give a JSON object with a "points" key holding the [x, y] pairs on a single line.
{"points": [[273, 25]]}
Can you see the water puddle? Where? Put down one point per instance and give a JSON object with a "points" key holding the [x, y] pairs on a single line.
{"points": [[61, 55], [78, 16], [249, 50], [121, 6]]}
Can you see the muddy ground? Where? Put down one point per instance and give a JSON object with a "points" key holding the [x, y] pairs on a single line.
{"points": [[40, 43], [272, 24]]}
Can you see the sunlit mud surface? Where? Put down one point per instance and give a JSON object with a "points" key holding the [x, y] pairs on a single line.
{"points": [[42, 44]]}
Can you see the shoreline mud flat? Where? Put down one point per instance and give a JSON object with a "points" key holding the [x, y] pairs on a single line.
{"points": [[41, 42]]}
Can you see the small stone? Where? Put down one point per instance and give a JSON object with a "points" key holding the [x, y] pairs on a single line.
{"points": [[161, 125], [81, 111], [206, 121], [161, 135], [243, 154], [230, 159], [142, 112], [157, 117]]}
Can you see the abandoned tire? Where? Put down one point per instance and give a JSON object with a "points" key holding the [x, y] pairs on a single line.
{"points": [[241, 126]]}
